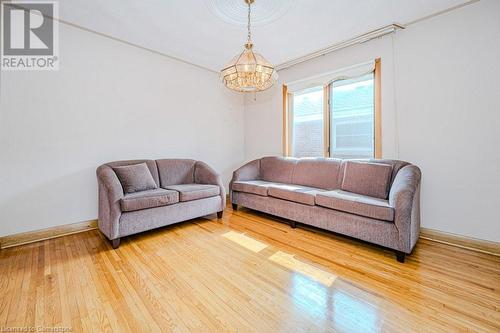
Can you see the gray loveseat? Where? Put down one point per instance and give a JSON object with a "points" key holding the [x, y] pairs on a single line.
{"points": [[375, 201], [183, 189]]}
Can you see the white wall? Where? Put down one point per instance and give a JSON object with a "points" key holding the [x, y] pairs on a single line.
{"points": [[440, 109], [109, 101]]}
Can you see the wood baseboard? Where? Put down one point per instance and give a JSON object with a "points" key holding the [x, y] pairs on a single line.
{"points": [[44, 234], [464, 242]]}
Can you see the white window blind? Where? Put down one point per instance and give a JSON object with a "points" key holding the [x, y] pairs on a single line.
{"points": [[325, 79]]}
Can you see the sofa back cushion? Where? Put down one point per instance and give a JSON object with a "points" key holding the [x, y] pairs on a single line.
{"points": [[151, 164], [175, 171], [277, 169], [317, 172], [396, 166], [366, 178]]}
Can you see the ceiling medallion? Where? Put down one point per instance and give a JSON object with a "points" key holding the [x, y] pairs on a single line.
{"points": [[249, 71], [235, 11]]}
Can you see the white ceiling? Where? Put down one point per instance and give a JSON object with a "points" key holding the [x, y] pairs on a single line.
{"points": [[189, 29]]}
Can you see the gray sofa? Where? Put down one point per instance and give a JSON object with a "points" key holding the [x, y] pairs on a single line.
{"points": [[376, 201], [184, 189]]}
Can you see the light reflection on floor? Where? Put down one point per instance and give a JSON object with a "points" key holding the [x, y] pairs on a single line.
{"points": [[345, 312], [324, 296], [245, 241], [352, 314], [320, 293], [310, 296]]}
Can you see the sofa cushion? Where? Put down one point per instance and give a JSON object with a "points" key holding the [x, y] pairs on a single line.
{"points": [[277, 169], [371, 179], [188, 192], [356, 204], [259, 187], [295, 193], [148, 199], [317, 172], [135, 178], [175, 171]]}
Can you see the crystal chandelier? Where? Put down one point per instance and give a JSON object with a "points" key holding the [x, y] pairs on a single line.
{"points": [[249, 71]]}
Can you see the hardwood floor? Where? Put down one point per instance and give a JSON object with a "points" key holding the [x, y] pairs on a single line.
{"points": [[246, 272]]}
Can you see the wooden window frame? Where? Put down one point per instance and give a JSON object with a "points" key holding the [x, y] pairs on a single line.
{"points": [[378, 108], [287, 116], [326, 120], [285, 140], [287, 119]]}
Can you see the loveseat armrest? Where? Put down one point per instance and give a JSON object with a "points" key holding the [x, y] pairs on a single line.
{"points": [[204, 174], [404, 196], [110, 194]]}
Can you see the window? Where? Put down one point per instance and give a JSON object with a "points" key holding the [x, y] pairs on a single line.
{"points": [[307, 123], [339, 118], [352, 113]]}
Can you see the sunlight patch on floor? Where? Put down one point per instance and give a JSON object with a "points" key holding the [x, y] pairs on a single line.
{"points": [[290, 262], [245, 241]]}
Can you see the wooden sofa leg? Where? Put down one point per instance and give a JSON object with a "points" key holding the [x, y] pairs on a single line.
{"points": [[219, 215], [115, 243], [235, 206], [400, 256], [293, 224]]}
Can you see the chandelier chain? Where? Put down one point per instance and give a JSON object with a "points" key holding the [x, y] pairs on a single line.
{"points": [[249, 36]]}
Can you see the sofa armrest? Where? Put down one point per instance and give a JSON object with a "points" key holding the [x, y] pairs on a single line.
{"points": [[204, 174], [249, 171], [110, 193], [405, 198]]}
